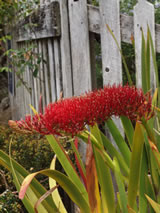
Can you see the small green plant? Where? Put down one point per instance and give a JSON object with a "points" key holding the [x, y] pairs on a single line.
{"points": [[18, 60]]}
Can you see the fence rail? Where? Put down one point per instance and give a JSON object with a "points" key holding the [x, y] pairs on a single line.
{"points": [[64, 36]]}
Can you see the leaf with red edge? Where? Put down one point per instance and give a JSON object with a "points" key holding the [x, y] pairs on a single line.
{"points": [[92, 180]]}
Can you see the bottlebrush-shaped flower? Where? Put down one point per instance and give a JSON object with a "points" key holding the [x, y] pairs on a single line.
{"points": [[73, 114]]}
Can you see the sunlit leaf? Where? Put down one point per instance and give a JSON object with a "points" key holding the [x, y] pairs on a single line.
{"points": [[55, 194], [155, 205], [69, 187], [135, 165], [121, 187], [66, 164], [104, 175]]}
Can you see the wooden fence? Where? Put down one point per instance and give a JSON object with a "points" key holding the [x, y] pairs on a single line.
{"points": [[64, 35]]}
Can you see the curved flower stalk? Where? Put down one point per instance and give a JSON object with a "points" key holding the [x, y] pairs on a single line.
{"points": [[73, 114]]}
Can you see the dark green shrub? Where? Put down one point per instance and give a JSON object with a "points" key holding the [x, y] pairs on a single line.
{"points": [[31, 151]]}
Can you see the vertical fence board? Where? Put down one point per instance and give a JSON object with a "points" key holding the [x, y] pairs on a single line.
{"points": [[111, 59], [40, 50], [80, 46], [45, 70], [65, 50], [52, 70], [57, 67], [22, 91], [38, 75], [143, 17]]}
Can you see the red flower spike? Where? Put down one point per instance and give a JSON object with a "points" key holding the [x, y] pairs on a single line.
{"points": [[70, 116]]}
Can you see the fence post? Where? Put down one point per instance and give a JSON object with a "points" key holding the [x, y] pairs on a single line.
{"points": [[143, 18]]}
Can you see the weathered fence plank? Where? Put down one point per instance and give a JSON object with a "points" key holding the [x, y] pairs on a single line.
{"points": [[44, 22], [46, 73], [80, 46], [52, 70], [111, 59], [57, 69], [143, 18], [66, 66], [42, 87]]}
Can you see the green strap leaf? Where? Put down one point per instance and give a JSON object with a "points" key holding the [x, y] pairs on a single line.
{"points": [[104, 175], [37, 188], [155, 205], [55, 194], [67, 164], [135, 165], [128, 128], [69, 187], [121, 187], [114, 153], [119, 141]]}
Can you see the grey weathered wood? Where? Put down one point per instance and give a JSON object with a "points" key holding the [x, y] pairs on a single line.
{"points": [[44, 22], [38, 75], [94, 19], [35, 82], [52, 70], [143, 18], [111, 58], [41, 73], [57, 68], [80, 46], [46, 72], [65, 50], [126, 23]]}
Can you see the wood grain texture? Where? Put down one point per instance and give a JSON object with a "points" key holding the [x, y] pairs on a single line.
{"points": [[66, 66], [52, 70], [111, 59], [126, 23], [44, 22], [46, 72], [58, 72], [80, 46]]}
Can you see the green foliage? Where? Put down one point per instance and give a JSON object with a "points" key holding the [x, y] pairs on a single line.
{"points": [[23, 59], [129, 55], [33, 152], [95, 2], [9, 203]]}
